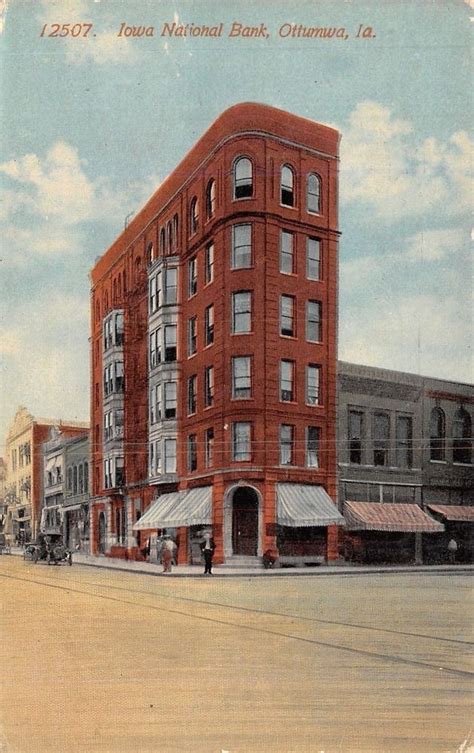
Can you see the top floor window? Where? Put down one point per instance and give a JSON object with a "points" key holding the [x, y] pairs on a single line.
{"points": [[210, 198], [381, 438], [355, 436], [193, 216], [404, 439], [462, 426], [287, 186], [162, 241], [149, 254], [243, 179], [175, 231], [313, 194], [169, 233], [437, 434]]}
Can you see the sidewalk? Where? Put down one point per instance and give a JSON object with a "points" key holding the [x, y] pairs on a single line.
{"points": [[196, 571]]}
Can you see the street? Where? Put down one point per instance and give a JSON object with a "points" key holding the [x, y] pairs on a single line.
{"points": [[95, 661]]}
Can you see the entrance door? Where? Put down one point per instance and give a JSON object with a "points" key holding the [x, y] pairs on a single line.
{"points": [[102, 526], [245, 521]]}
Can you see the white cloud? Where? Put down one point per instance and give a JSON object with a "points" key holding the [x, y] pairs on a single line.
{"points": [[51, 198], [434, 245], [384, 166], [416, 333]]}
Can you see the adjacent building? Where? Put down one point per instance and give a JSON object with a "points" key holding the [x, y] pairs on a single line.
{"points": [[213, 395], [25, 483], [405, 465], [65, 507]]}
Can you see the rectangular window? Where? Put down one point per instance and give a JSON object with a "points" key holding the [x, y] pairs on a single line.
{"points": [[158, 456], [192, 336], [155, 348], [119, 329], [170, 455], [170, 399], [242, 312], [241, 439], [192, 394], [287, 315], [208, 386], [287, 381], [404, 449], [241, 246], [151, 455], [287, 259], [209, 325], [313, 259], [119, 472], [107, 425], [170, 342], [209, 263], [118, 422], [152, 406], [241, 377], [355, 426], [313, 384], [381, 437], [209, 447], [108, 342], [119, 377], [192, 277], [107, 473], [313, 321], [171, 285], [152, 294], [158, 401], [287, 434], [192, 453], [312, 446]]}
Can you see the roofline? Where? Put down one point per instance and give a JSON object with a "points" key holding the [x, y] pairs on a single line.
{"points": [[403, 373], [246, 117]]}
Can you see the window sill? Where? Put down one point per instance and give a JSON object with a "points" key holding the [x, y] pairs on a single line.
{"points": [[208, 345], [462, 465], [314, 342], [439, 462], [289, 274], [289, 337], [206, 284], [244, 198], [288, 402], [239, 269], [237, 334], [288, 206], [314, 405], [240, 399], [193, 355]]}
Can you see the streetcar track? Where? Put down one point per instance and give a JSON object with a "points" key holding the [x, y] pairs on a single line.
{"points": [[265, 631], [303, 618]]}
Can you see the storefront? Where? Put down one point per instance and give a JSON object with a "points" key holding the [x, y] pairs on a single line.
{"points": [[386, 533], [458, 521]]}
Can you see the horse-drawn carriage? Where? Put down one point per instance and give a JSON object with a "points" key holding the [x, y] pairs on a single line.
{"points": [[49, 547]]}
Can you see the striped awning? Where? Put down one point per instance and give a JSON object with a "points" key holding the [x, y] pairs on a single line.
{"points": [[456, 513], [302, 505], [381, 516], [188, 508]]}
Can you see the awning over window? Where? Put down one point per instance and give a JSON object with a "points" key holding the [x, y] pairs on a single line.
{"points": [[190, 508], [300, 505], [380, 516], [456, 513]]}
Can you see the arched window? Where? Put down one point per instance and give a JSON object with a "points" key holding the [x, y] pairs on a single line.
{"points": [[194, 215], [81, 479], [74, 480], [243, 180], [86, 477], [462, 440], [437, 434], [175, 231], [149, 254], [210, 198], [120, 285], [169, 231], [69, 479], [287, 186], [124, 281], [313, 194], [162, 241], [138, 268]]}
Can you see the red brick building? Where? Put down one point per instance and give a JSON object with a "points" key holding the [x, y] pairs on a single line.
{"points": [[214, 326]]}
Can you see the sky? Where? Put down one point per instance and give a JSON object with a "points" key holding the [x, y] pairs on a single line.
{"points": [[91, 125]]}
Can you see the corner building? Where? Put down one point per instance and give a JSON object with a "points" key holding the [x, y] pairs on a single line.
{"points": [[214, 350]]}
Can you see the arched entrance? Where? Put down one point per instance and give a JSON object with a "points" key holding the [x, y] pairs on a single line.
{"points": [[245, 521], [102, 533]]}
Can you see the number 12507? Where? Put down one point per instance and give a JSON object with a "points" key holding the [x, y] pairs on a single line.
{"points": [[65, 30]]}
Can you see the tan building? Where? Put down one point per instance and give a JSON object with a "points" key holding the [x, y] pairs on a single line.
{"points": [[25, 469]]}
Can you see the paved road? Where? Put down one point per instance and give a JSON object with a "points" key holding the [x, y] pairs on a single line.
{"points": [[98, 661]]}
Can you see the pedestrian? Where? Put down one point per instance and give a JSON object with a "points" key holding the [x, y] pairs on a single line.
{"points": [[168, 550], [208, 546], [452, 551]]}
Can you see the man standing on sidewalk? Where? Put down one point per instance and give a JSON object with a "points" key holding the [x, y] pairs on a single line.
{"points": [[207, 548], [452, 551]]}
